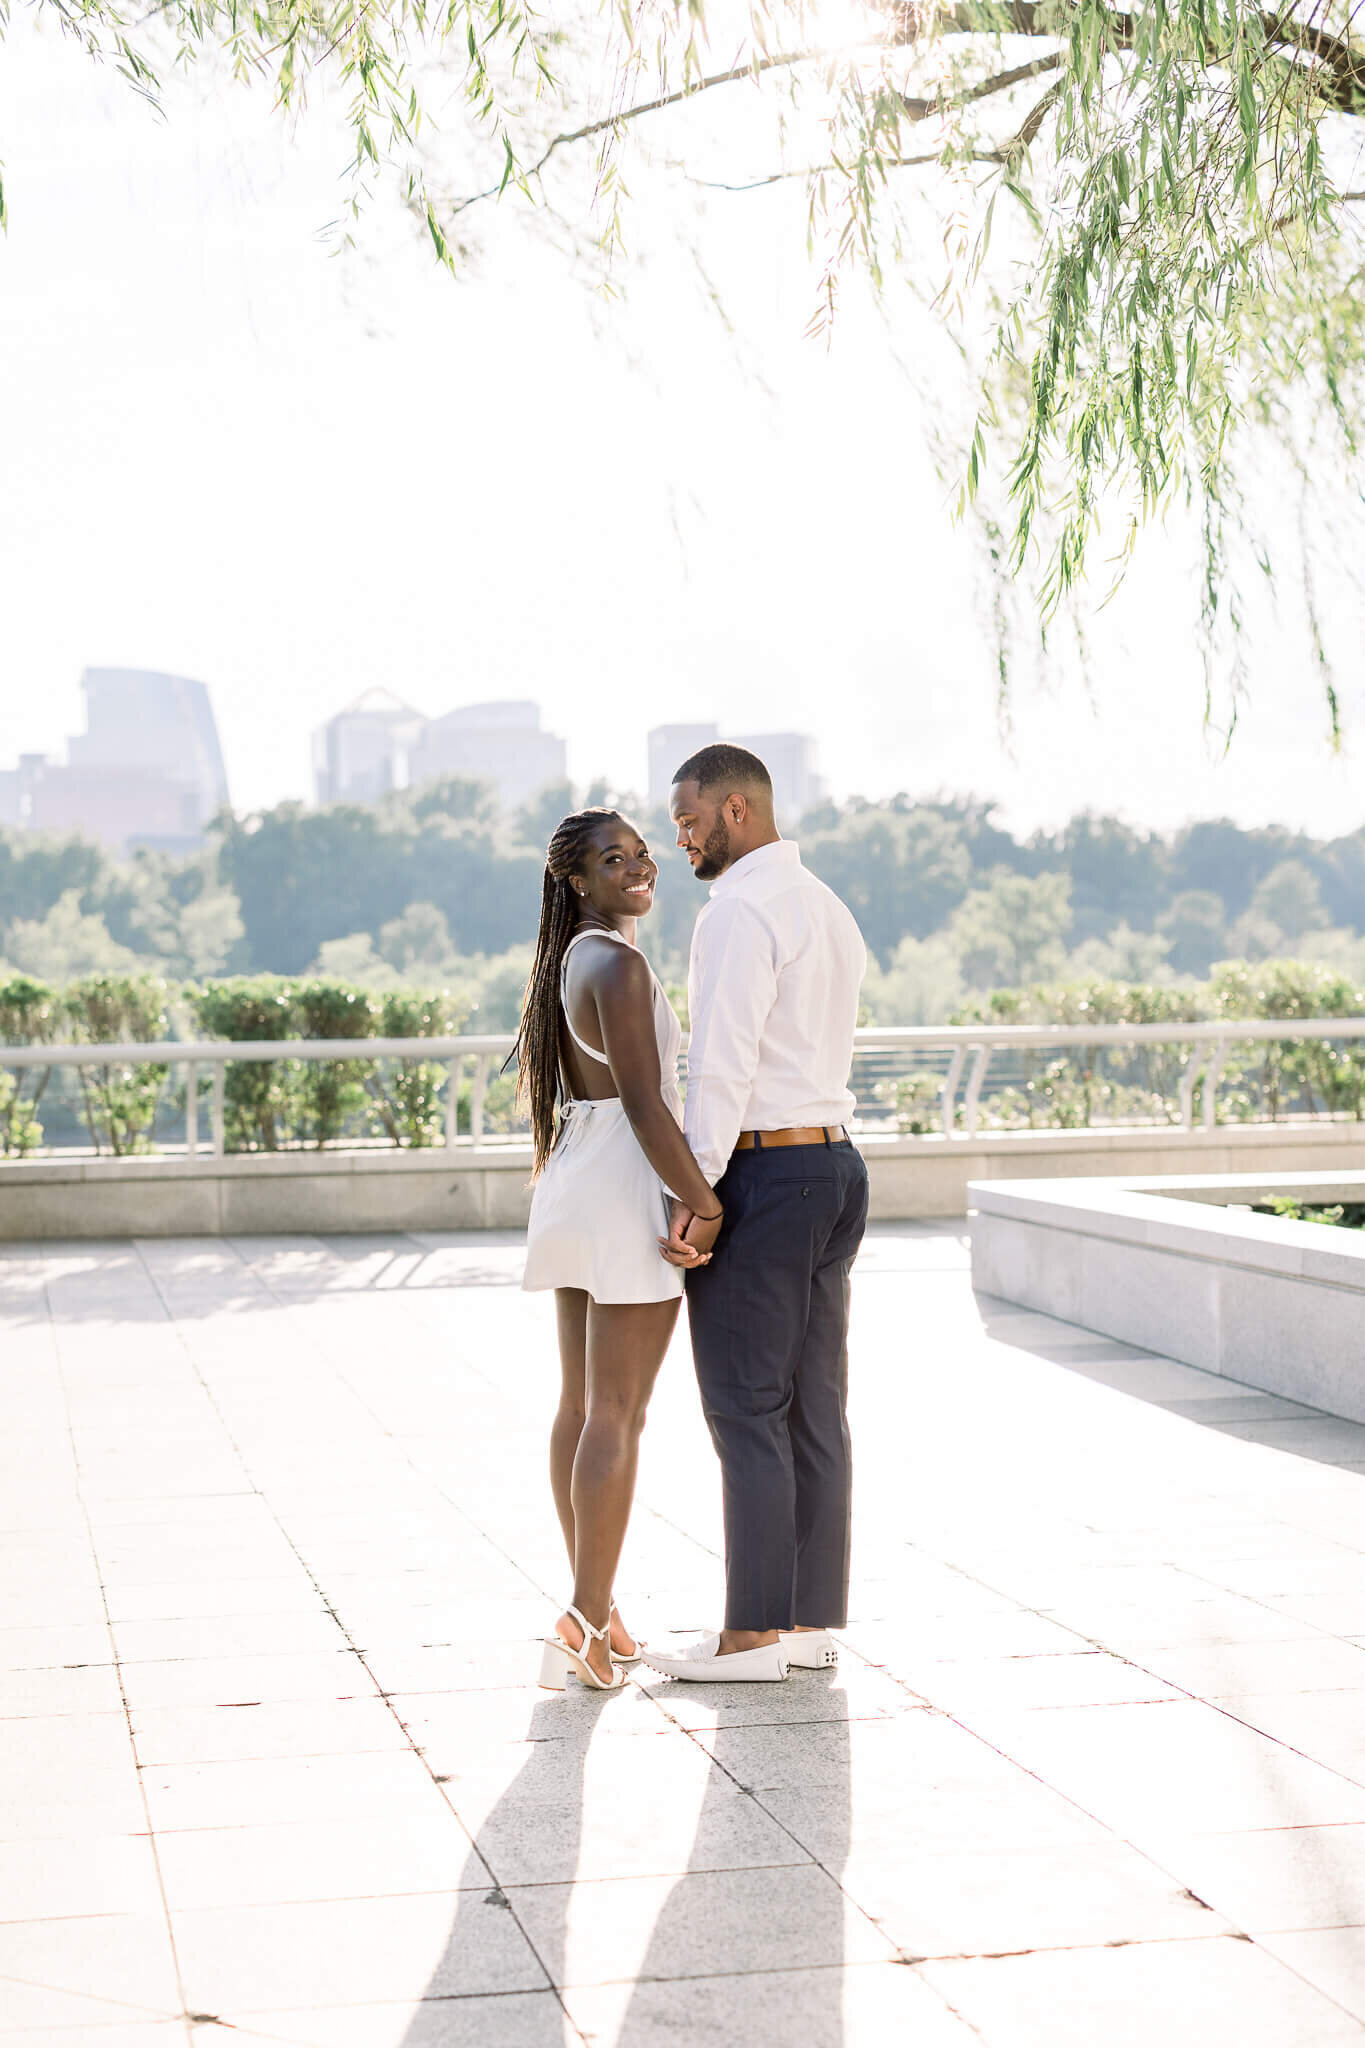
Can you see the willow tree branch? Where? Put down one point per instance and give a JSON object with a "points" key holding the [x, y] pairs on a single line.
{"points": [[948, 102], [1339, 78]]}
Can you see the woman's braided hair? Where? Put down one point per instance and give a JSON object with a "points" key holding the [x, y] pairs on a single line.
{"points": [[537, 1050]]}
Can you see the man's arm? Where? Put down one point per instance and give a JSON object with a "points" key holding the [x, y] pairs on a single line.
{"points": [[732, 987]]}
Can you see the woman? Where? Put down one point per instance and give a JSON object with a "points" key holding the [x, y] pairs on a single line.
{"points": [[597, 1054]]}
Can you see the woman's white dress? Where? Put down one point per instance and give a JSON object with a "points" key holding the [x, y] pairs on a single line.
{"points": [[599, 1207]]}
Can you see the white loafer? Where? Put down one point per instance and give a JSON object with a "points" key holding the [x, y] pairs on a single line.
{"points": [[811, 1649], [701, 1663]]}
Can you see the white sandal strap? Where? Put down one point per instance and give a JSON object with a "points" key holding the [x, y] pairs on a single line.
{"points": [[599, 1635]]}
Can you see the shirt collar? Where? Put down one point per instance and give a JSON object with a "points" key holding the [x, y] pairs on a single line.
{"points": [[779, 853]]}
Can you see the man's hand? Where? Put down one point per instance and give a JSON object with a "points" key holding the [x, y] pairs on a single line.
{"points": [[690, 1237]]}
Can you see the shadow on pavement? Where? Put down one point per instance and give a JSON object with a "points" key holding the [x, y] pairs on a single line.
{"points": [[549, 1783], [691, 1984]]}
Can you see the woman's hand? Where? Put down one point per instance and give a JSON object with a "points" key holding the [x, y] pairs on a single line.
{"points": [[701, 1232], [690, 1237]]}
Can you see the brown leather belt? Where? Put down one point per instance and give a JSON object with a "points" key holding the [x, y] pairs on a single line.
{"points": [[811, 1134]]}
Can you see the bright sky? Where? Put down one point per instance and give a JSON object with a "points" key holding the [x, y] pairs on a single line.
{"points": [[232, 456]]}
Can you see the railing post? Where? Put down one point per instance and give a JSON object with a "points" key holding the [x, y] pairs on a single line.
{"points": [[1213, 1074], [453, 1103], [972, 1100], [476, 1095], [217, 1118], [1187, 1081], [191, 1108], [950, 1081]]}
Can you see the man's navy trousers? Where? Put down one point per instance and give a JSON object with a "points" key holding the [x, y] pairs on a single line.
{"points": [[769, 1319]]}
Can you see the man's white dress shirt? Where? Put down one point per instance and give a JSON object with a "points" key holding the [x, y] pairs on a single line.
{"points": [[772, 987]]}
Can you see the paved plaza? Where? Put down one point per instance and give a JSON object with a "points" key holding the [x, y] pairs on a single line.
{"points": [[277, 1542]]}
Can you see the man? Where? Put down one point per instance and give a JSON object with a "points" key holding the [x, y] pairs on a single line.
{"points": [[777, 962]]}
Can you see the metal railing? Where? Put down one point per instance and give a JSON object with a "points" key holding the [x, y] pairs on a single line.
{"points": [[883, 1057]]}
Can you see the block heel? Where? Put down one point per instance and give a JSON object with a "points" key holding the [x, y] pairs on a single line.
{"points": [[554, 1667], [558, 1660]]}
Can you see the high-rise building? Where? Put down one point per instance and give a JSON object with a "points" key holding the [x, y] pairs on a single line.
{"points": [[146, 772], [498, 743], [669, 747], [363, 752], [788, 757]]}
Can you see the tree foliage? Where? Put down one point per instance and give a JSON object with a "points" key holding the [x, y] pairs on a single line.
{"points": [[1151, 214]]}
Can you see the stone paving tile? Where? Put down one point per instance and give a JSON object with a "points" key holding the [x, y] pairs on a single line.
{"points": [[994, 1901], [702, 1924], [1180, 1765], [1275, 1879], [85, 1689], [1328, 1726], [310, 1861], [87, 1803], [257, 1792], [938, 1816], [209, 1596], [1083, 1679], [943, 1639], [517, 2019], [352, 1952], [456, 1667], [78, 1878], [129, 2034], [186, 1735], [1144, 1996], [874, 2003], [83, 1971], [228, 1635], [1332, 1959], [1222, 1671], [231, 1681]]}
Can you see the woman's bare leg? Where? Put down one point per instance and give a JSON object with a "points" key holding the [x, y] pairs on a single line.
{"points": [[571, 1316], [625, 1347]]}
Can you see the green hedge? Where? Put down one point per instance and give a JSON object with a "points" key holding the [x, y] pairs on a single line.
{"points": [[269, 1105], [1261, 1082], [274, 1104]]}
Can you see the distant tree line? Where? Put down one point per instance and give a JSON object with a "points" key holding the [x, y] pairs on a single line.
{"points": [[433, 887]]}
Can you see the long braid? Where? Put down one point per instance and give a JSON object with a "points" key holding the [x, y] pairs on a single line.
{"points": [[537, 1050]]}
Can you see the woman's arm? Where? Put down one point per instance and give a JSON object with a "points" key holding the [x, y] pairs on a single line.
{"points": [[622, 988]]}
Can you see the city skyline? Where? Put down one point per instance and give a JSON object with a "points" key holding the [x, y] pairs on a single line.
{"points": [[432, 745]]}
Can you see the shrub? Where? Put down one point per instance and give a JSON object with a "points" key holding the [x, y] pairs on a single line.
{"points": [[30, 1014], [259, 1096], [1264, 1080], [406, 1095], [119, 1099], [331, 1091]]}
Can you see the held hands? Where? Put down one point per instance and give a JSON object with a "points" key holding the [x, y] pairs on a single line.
{"points": [[690, 1237]]}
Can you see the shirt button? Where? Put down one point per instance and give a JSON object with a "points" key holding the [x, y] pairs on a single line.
{"points": [[805, 1191]]}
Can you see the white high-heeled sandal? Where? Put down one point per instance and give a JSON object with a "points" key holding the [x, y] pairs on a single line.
{"points": [[558, 1660], [630, 1657]]}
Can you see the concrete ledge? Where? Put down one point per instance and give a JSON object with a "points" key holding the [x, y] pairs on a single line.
{"points": [[1162, 1262], [485, 1188], [488, 1186]]}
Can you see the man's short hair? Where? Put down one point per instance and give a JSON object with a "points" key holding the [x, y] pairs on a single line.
{"points": [[732, 767]]}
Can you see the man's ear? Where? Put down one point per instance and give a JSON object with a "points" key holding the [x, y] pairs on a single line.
{"points": [[737, 804]]}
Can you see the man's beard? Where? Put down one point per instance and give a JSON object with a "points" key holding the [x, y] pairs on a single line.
{"points": [[715, 853]]}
